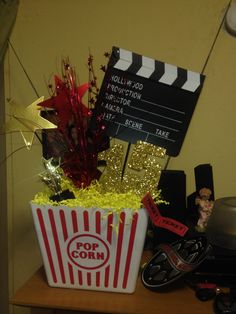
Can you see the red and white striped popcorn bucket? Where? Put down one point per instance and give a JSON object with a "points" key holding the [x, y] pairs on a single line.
{"points": [[89, 249]]}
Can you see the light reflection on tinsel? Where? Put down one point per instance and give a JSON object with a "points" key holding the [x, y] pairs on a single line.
{"points": [[143, 171], [52, 176]]}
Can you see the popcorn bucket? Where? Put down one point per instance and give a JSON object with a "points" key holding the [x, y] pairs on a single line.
{"points": [[89, 248]]}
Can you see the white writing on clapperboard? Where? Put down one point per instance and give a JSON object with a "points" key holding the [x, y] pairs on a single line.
{"points": [[120, 98], [122, 92]]}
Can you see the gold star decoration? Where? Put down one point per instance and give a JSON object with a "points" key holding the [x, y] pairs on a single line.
{"points": [[27, 120]]}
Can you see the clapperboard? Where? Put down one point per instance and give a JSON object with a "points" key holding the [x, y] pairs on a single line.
{"points": [[148, 100]]}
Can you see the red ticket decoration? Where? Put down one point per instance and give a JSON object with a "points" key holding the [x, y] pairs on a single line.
{"points": [[161, 221]]}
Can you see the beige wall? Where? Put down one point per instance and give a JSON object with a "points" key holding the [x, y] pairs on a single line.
{"points": [[178, 32]]}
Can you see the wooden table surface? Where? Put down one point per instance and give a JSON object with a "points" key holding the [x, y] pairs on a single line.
{"points": [[36, 293]]}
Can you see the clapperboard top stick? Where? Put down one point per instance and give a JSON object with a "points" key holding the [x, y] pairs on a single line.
{"points": [[148, 100]]}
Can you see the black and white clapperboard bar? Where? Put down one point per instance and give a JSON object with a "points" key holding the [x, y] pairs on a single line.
{"points": [[148, 100]]}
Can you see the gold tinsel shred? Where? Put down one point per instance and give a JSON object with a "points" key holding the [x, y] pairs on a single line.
{"points": [[92, 197]]}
